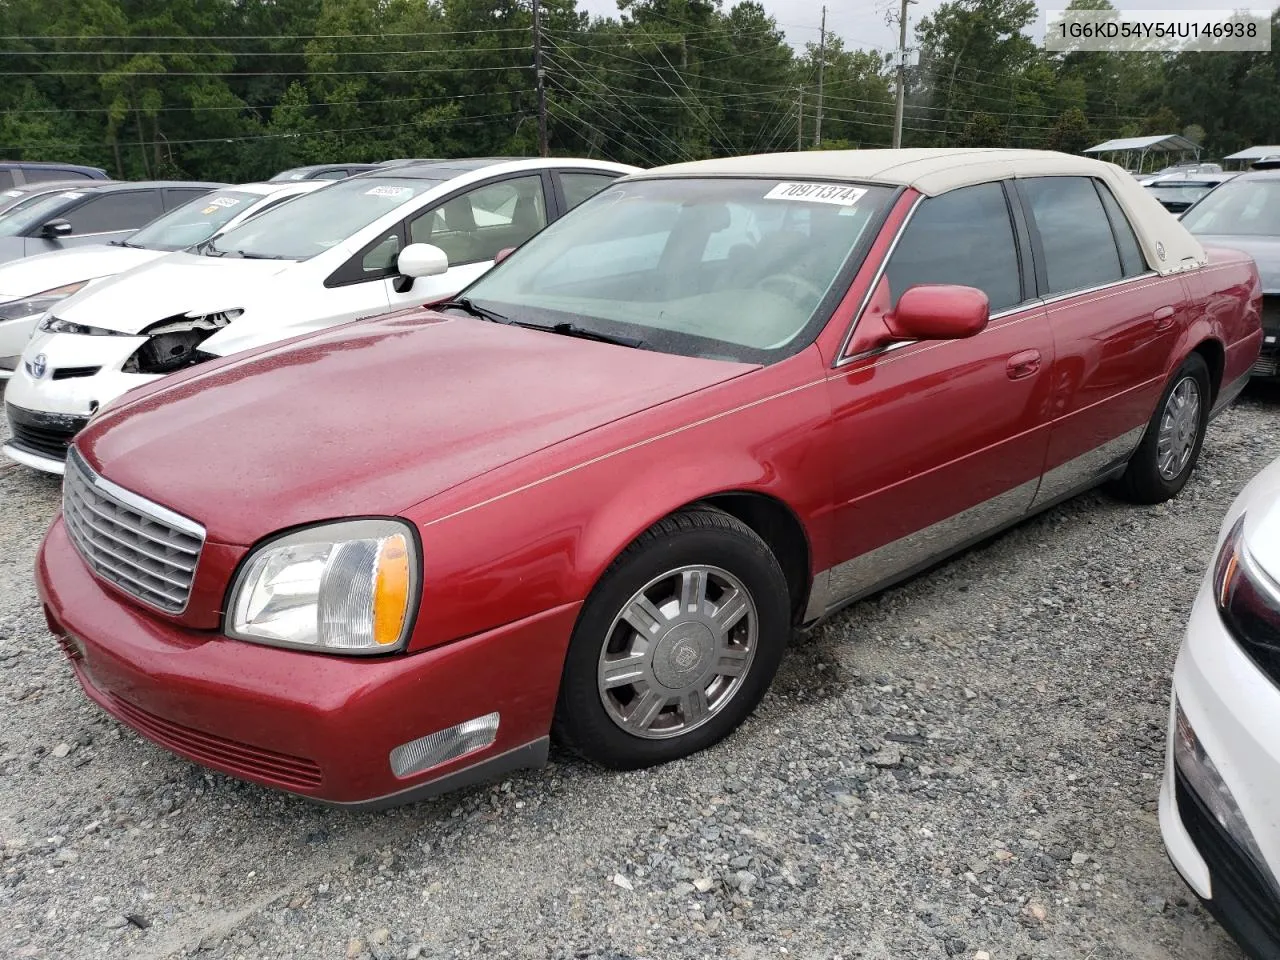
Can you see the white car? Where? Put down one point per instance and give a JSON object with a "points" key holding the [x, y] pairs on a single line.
{"points": [[30, 287], [1220, 801], [396, 237]]}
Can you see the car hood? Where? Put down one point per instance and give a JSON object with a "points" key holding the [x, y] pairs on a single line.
{"points": [[177, 284], [370, 418], [49, 270], [1264, 250]]}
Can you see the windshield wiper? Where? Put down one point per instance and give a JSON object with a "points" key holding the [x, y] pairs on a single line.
{"points": [[123, 243], [582, 333], [467, 306], [206, 249]]}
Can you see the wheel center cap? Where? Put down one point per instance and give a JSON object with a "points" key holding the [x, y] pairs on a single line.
{"points": [[682, 655]]}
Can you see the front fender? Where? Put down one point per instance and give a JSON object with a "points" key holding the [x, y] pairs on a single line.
{"points": [[517, 548]]}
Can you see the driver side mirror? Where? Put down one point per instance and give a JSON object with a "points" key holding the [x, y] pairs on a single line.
{"points": [[419, 260], [55, 229], [503, 254], [939, 311]]}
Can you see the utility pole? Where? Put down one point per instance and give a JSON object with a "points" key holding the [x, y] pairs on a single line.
{"points": [[800, 118], [822, 62], [902, 74], [542, 90]]}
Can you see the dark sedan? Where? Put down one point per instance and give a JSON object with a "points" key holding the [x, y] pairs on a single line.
{"points": [[92, 213], [325, 171]]}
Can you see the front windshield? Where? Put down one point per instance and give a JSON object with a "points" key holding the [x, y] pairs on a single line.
{"points": [[310, 225], [34, 212], [1237, 208], [194, 221], [731, 268]]}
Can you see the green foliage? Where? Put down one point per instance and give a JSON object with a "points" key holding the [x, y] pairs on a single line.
{"points": [[238, 89], [1071, 133]]}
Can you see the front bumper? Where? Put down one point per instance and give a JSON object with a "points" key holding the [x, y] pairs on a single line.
{"points": [[38, 439], [317, 725], [1242, 901], [1232, 707]]}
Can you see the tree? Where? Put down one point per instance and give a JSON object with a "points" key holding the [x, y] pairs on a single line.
{"points": [[982, 130], [1070, 133]]}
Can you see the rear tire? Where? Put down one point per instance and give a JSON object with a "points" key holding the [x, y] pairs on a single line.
{"points": [[676, 645], [1170, 447]]}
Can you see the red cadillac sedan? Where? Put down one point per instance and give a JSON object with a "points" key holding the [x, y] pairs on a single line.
{"points": [[590, 498]]}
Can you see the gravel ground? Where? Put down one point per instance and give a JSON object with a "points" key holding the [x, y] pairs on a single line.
{"points": [[967, 763]]}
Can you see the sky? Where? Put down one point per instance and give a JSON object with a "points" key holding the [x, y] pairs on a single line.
{"points": [[862, 23]]}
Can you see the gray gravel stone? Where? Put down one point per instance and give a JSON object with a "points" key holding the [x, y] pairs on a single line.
{"points": [[1021, 690]]}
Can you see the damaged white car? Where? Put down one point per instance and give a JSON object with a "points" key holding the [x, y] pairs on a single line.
{"points": [[31, 287], [381, 241]]}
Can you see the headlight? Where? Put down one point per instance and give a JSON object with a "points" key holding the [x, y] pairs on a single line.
{"points": [[52, 324], [37, 303], [1247, 599], [347, 587]]}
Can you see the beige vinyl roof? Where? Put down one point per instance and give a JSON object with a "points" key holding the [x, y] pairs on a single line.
{"points": [[1167, 245]]}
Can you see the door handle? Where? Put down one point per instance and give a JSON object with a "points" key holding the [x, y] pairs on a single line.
{"points": [[1024, 364], [1163, 317]]}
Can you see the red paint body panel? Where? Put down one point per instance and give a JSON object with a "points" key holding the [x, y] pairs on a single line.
{"points": [[1112, 360], [932, 428], [527, 462], [511, 541], [369, 418], [343, 715]]}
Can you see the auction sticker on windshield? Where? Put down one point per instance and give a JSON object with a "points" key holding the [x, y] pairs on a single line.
{"points": [[389, 191], [817, 193]]}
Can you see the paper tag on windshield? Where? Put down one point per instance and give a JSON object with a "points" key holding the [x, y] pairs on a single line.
{"points": [[388, 192], [72, 195], [835, 193], [226, 202]]}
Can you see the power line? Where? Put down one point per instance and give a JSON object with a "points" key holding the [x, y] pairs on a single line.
{"points": [[265, 73], [256, 53], [240, 108], [238, 36], [278, 136]]}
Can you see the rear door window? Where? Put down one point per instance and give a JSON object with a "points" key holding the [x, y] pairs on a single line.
{"points": [[175, 197], [44, 174], [1080, 250]]}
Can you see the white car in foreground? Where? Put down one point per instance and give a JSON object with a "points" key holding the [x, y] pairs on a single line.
{"points": [[1220, 801], [397, 237], [31, 287]]}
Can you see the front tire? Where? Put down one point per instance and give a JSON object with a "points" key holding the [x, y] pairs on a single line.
{"points": [[1170, 447], [676, 645]]}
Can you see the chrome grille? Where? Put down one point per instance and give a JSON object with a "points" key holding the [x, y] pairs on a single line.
{"points": [[147, 551]]}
